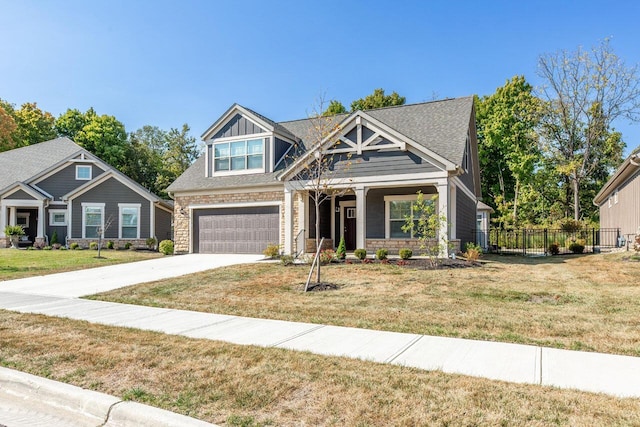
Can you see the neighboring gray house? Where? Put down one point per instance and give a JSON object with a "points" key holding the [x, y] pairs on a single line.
{"points": [[246, 192], [59, 186], [619, 198]]}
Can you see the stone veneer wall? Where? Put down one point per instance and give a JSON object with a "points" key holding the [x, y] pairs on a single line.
{"points": [[118, 243], [181, 222], [394, 245]]}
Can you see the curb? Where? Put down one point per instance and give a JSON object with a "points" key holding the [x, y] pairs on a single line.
{"points": [[87, 406]]}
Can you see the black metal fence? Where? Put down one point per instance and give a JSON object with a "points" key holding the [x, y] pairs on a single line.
{"points": [[545, 241]]}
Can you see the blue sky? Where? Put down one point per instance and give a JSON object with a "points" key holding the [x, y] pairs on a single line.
{"points": [[165, 63]]}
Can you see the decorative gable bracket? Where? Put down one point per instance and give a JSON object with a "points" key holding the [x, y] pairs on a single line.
{"points": [[362, 135]]}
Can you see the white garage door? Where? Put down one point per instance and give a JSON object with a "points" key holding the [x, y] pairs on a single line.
{"points": [[236, 230]]}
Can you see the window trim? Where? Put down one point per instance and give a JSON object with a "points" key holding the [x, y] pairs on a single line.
{"points": [[401, 198], [80, 167], [228, 142], [86, 205], [615, 197], [53, 213], [121, 207]]}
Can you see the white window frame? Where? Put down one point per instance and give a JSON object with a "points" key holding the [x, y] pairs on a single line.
{"points": [[121, 207], [81, 167], [23, 216], [52, 215], [615, 197], [245, 139], [84, 217], [401, 198]]}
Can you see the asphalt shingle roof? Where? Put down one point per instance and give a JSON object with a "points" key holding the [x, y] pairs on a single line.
{"points": [[440, 126]]}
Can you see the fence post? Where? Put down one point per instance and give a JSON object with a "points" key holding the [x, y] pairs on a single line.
{"points": [[524, 241], [546, 242]]}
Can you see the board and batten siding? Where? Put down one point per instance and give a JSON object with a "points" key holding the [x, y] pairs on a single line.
{"points": [[64, 181], [163, 225], [280, 148], [20, 195], [237, 126], [625, 214], [377, 163], [111, 192], [465, 218]]}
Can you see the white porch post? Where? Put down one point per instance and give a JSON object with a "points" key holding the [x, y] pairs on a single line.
{"points": [[288, 220], [361, 215], [443, 209], [40, 234], [12, 215], [3, 219]]}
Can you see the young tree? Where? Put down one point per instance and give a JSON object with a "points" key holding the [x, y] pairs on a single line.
{"points": [[425, 224], [584, 93]]}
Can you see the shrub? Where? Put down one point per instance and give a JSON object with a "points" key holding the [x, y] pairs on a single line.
{"points": [[166, 247], [110, 244], [128, 245], [14, 230], [472, 252], [570, 225], [93, 245], [74, 246], [360, 253], [54, 237], [272, 251], [576, 248], [382, 253], [286, 260], [327, 256], [405, 253], [151, 243], [31, 248], [341, 252], [47, 248], [554, 248], [63, 248]]}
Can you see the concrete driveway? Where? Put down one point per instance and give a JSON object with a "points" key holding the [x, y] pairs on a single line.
{"points": [[74, 284]]}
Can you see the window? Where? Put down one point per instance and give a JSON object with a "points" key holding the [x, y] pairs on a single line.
{"points": [[92, 220], [397, 210], [615, 196], [351, 213], [83, 173], [22, 219], [57, 217], [238, 155], [129, 221]]}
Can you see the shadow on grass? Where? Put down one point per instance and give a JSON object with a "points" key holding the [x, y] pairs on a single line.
{"points": [[530, 259]]}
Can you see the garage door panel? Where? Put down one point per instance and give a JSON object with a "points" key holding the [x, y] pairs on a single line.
{"points": [[236, 230]]}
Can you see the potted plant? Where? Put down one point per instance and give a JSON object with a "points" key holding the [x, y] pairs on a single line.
{"points": [[14, 232]]}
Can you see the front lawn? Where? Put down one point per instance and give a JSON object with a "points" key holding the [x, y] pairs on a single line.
{"points": [[15, 264], [588, 302], [252, 386]]}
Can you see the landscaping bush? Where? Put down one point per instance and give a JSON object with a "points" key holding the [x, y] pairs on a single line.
{"points": [[47, 248], [128, 245], [554, 248], [31, 248], [286, 260], [576, 248], [360, 253], [54, 238], [110, 244], [93, 246], [341, 252], [272, 251], [327, 256], [382, 254], [166, 247], [74, 246], [151, 243], [473, 251], [405, 253]]}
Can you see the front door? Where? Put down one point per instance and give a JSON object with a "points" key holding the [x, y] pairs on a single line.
{"points": [[349, 218]]}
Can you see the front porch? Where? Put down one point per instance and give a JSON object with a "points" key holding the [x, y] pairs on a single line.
{"points": [[30, 218]]}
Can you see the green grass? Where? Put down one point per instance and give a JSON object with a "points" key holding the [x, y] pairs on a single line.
{"points": [[15, 264]]}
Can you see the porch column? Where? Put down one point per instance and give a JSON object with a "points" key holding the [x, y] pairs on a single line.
{"points": [[3, 219], [12, 215], [288, 220], [443, 209], [40, 234], [361, 215]]}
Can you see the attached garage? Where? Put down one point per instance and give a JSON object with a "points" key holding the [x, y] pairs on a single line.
{"points": [[242, 230]]}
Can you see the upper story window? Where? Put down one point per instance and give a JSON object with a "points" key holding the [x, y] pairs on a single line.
{"points": [[83, 172], [238, 155]]}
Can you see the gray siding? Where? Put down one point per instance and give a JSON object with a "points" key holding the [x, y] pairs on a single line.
{"points": [[375, 207], [61, 229], [237, 126], [64, 181], [375, 163], [210, 160], [467, 177], [111, 192], [325, 219], [625, 214], [280, 148], [163, 225], [465, 218], [20, 195]]}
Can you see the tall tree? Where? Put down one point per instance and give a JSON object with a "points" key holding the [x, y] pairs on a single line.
{"points": [[584, 93], [507, 145], [335, 107], [180, 151], [71, 122], [377, 100], [144, 163], [105, 137], [33, 125], [8, 126]]}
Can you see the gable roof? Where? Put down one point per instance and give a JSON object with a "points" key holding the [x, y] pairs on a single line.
{"points": [[626, 170], [441, 127], [22, 164]]}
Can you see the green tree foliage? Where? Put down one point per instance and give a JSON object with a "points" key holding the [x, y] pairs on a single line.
{"points": [[508, 147], [425, 224], [335, 107], [584, 92], [180, 151], [377, 100], [33, 125], [73, 121], [105, 137]]}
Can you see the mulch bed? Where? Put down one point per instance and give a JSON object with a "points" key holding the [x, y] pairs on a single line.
{"points": [[421, 263]]}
